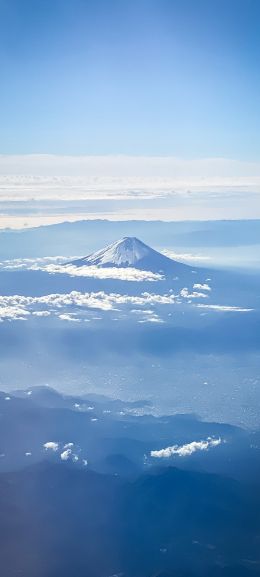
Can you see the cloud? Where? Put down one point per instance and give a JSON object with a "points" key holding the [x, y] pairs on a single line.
{"points": [[188, 189], [27, 263], [125, 274], [69, 317], [187, 449], [12, 313], [68, 446], [56, 265], [64, 176], [19, 306], [192, 295], [65, 455], [75, 306], [151, 319], [51, 445], [224, 308], [41, 313], [204, 286], [68, 453], [186, 256]]}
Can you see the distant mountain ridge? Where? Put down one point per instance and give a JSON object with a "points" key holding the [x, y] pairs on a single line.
{"points": [[132, 252]]}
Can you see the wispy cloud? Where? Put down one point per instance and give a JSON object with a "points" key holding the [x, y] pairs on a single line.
{"points": [[224, 308], [185, 256]]}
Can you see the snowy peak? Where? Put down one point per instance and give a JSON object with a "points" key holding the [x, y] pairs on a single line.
{"points": [[127, 251], [131, 252]]}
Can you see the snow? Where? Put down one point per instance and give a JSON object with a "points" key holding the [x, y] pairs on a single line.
{"points": [[131, 254], [124, 252]]}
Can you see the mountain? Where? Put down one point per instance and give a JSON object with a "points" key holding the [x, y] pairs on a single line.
{"points": [[132, 252], [59, 521]]}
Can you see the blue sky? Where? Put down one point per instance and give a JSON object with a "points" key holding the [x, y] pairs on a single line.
{"points": [[144, 77]]}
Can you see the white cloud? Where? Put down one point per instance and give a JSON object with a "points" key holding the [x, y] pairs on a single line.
{"points": [[186, 256], [203, 188], [27, 263], [41, 313], [68, 446], [204, 286], [126, 274], [59, 176], [69, 317], [13, 313], [73, 306], [68, 452], [224, 308], [65, 455], [151, 319], [51, 445], [18, 306], [192, 295], [56, 265], [187, 449]]}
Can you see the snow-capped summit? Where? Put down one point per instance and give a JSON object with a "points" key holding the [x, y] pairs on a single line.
{"points": [[131, 252], [127, 251]]}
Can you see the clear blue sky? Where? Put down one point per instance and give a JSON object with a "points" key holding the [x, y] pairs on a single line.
{"points": [[152, 77]]}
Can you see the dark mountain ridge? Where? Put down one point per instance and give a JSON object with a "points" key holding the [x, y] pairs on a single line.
{"points": [[170, 521]]}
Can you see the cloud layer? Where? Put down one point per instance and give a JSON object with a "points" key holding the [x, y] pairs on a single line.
{"points": [[57, 265], [183, 189], [17, 307], [126, 274]]}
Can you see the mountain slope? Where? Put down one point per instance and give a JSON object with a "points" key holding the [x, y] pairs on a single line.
{"points": [[132, 252], [59, 521]]}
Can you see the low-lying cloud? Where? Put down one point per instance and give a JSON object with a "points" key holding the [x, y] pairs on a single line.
{"points": [[124, 274], [187, 449], [20, 307], [57, 265]]}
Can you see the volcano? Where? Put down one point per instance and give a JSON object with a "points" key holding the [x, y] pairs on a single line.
{"points": [[132, 252]]}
